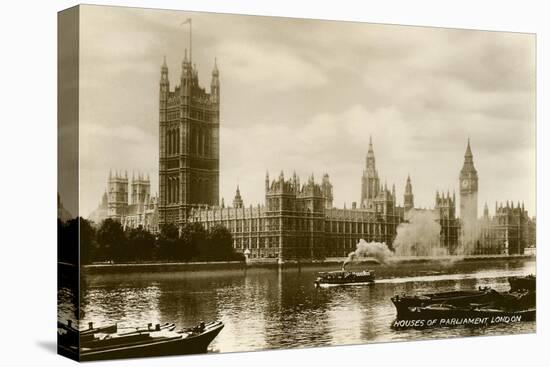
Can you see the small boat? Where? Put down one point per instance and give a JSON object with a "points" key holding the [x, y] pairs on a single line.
{"points": [[69, 327], [166, 326], [404, 303], [160, 340], [108, 329], [343, 277], [528, 283]]}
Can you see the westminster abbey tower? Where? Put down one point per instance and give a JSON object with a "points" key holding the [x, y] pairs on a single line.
{"points": [[189, 157]]}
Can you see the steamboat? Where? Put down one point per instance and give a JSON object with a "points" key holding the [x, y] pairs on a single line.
{"points": [[344, 277]]}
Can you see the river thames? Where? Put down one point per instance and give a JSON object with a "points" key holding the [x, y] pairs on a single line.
{"points": [[271, 309]]}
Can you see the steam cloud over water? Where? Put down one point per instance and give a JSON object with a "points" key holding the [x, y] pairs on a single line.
{"points": [[378, 250], [469, 237], [419, 235]]}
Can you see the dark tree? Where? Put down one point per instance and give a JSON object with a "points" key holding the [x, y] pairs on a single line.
{"points": [[111, 240], [193, 238], [67, 241], [167, 241], [71, 234], [141, 244], [219, 245], [87, 241]]}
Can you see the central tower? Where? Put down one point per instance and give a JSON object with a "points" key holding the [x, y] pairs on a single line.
{"points": [[370, 184], [468, 181], [189, 156]]}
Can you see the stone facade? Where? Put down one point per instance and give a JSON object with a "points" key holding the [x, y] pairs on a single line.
{"points": [[299, 222], [508, 232]]}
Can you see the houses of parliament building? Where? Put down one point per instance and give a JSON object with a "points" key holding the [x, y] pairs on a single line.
{"points": [[298, 220]]}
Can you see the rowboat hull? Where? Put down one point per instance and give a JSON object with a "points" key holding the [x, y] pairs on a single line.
{"points": [[178, 344]]}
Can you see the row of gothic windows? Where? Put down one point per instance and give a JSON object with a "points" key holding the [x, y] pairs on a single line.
{"points": [[200, 189], [200, 141], [172, 190], [173, 141]]}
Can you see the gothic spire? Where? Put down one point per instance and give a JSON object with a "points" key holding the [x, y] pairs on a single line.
{"points": [[408, 185], [371, 162], [468, 150], [468, 166], [215, 71]]}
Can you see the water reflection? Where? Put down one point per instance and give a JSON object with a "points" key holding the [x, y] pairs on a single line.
{"points": [[268, 309]]}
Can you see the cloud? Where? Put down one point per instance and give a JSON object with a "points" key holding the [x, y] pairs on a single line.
{"points": [[260, 67], [306, 95]]}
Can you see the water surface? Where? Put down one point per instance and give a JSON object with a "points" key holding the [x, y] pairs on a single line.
{"points": [[270, 309]]}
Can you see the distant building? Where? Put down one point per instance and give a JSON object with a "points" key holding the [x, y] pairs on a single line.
{"points": [[299, 221], [132, 208], [507, 232], [445, 208]]}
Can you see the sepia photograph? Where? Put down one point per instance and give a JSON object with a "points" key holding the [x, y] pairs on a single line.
{"points": [[236, 183]]}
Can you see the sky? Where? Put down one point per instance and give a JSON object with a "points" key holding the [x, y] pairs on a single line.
{"points": [[306, 95]]}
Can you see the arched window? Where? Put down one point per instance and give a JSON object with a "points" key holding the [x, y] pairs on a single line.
{"points": [[206, 143], [171, 138], [176, 139], [196, 150], [201, 142], [174, 189], [177, 190], [194, 193], [171, 141], [192, 140], [206, 189], [168, 192]]}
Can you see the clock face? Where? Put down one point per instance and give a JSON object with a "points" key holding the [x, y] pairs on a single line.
{"points": [[465, 184]]}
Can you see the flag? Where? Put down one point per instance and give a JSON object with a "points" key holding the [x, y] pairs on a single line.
{"points": [[186, 21]]}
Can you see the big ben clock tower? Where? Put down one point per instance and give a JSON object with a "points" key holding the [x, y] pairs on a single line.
{"points": [[468, 187]]}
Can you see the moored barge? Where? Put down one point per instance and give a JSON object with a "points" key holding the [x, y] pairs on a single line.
{"points": [[473, 315], [528, 283], [404, 303]]}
